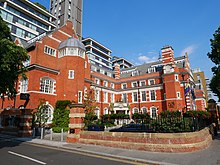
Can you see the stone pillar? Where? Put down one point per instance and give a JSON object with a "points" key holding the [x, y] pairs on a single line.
{"points": [[76, 122], [25, 123]]}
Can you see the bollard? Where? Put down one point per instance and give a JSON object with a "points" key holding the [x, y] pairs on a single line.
{"points": [[33, 133], [51, 134], [61, 134], [42, 133]]}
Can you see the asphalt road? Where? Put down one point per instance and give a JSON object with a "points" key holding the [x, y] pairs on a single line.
{"points": [[18, 153]]}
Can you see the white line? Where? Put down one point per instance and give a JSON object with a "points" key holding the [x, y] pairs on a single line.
{"points": [[26, 157]]}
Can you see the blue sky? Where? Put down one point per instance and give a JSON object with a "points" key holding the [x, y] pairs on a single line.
{"points": [[138, 29]]}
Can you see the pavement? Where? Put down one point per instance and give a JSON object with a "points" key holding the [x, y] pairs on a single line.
{"points": [[209, 156]]}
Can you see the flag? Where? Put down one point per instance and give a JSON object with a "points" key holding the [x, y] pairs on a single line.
{"points": [[187, 89]]}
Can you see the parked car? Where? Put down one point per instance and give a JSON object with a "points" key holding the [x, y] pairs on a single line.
{"points": [[96, 128]]}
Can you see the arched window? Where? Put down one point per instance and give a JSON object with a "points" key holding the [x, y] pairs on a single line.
{"points": [[144, 110], [97, 112], [135, 110], [153, 112], [47, 85], [45, 113], [23, 85], [105, 111]]}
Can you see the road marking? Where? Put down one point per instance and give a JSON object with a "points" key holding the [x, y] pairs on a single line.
{"points": [[26, 157], [134, 162]]}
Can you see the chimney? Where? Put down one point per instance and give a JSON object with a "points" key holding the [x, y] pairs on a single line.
{"points": [[167, 55], [117, 71]]}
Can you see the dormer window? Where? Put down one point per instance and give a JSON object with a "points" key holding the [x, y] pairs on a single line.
{"points": [[135, 73], [151, 70]]}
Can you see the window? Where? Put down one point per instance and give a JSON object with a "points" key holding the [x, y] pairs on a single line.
{"points": [[97, 81], [85, 64], [47, 85], [27, 62], [135, 73], [151, 82], [176, 77], [124, 86], [143, 96], [152, 95], [142, 83], [112, 97], [112, 85], [105, 111], [124, 98], [134, 84], [71, 74], [23, 85], [135, 110], [153, 112], [20, 32], [178, 95], [105, 97], [105, 84], [79, 96], [47, 109], [97, 112], [151, 70], [50, 51], [134, 96], [144, 110], [97, 95]]}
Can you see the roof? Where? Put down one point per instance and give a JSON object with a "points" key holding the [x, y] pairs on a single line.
{"points": [[71, 42]]}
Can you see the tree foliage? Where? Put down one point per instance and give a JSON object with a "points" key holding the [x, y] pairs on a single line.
{"points": [[11, 62], [61, 116], [41, 116], [214, 55]]}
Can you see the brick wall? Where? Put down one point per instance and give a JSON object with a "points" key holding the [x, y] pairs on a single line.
{"points": [[157, 142]]}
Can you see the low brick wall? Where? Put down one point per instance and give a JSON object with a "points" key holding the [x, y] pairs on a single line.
{"points": [[157, 142]]}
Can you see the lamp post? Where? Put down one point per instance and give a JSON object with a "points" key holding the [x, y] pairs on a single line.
{"points": [[139, 105], [185, 107]]}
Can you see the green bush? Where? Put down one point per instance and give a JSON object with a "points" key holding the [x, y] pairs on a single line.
{"points": [[170, 113], [199, 114], [58, 129], [61, 116]]}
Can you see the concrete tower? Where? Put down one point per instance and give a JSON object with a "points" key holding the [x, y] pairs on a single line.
{"points": [[68, 10]]}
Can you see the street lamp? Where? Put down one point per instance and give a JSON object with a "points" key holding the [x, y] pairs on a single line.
{"points": [[185, 107], [139, 105]]}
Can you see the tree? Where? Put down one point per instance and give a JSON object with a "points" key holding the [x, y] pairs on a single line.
{"points": [[11, 62], [214, 55]]}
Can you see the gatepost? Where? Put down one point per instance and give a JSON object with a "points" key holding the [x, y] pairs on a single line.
{"points": [[25, 123], [76, 122]]}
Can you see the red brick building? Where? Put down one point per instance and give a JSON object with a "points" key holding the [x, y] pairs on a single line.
{"points": [[59, 70]]}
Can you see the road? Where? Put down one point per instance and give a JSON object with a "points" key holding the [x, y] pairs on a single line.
{"points": [[14, 152]]}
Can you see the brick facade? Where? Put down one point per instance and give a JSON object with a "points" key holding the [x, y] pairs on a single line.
{"points": [[159, 86]]}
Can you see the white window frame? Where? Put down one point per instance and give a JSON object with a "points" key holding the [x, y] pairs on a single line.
{"points": [[105, 83], [106, 111], [71, 74], [142, 110], [47, 85], [151, 112], [151, 95], [80, 93], [112, 97], [105, 97], [134, 82], [178, 95], [50, 51], [97, 81], [143, 97], [123, 84], [23, 85], [97, 93], [144, 83], [133, 94], [150, 80], [124, 100], [176, 77], [133, 111], [112, 85]]}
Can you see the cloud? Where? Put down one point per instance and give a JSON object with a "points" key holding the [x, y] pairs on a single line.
{"points": [[189, 49], [145, 59]]}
